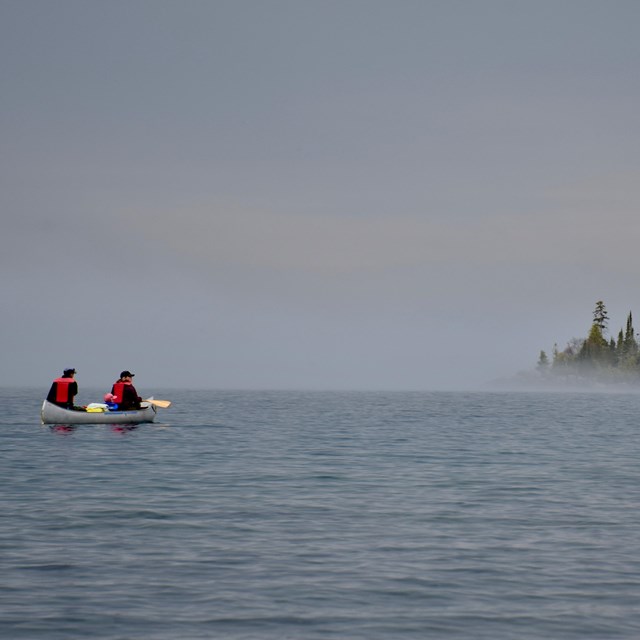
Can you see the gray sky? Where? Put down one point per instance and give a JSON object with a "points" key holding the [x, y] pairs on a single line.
{"points": [[330, 194]]}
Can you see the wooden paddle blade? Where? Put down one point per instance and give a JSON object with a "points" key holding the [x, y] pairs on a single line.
{"points": [[164, 404]]}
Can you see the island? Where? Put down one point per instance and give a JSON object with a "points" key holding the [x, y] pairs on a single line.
{"points": [[594, 359]]}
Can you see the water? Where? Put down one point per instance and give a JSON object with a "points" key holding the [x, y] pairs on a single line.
{"points": [[291, 515]]}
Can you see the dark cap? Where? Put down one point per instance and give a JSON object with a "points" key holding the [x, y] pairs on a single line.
{"points": [[68, 372], [127, 374]]}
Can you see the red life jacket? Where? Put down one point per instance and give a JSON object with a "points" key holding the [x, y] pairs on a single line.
{"points": [[118, 392], [62, 389]]}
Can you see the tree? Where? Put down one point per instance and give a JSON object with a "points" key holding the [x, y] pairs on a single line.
{"points": [[600, 316], [543, 362], [564, 360], [595, 349], [620, 343], [630, 343]]}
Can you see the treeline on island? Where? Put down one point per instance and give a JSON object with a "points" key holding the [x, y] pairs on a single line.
{"points": [[595, 358]]}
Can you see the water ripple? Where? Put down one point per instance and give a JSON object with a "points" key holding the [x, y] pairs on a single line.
{"points": [[325, 515]]}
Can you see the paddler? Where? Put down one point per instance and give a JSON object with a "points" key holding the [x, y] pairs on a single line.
{"points": [[64, 389], [125, 393]]}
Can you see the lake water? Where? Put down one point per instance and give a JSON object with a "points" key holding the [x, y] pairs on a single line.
{"points": [[293, 515]]}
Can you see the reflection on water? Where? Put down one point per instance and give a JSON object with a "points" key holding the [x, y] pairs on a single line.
{"points": [[123, 428], [63, 429], [67, 429]]}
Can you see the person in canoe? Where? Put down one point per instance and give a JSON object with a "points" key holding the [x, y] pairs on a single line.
{"points": [[64, 390], [126, 396]]}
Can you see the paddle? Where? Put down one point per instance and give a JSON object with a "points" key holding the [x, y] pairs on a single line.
{"points": [[164, 404]]}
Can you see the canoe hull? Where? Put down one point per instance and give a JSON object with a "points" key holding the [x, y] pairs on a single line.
{"points": [[53, 414]]}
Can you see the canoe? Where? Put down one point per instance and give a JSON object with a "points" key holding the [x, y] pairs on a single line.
{"points": [[53, 414]]}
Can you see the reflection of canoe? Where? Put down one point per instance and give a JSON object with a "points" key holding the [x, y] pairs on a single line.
{"points": [[53, 414]]}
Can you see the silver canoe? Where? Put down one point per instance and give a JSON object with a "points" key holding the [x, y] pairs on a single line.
{"points": [[53, 414]]}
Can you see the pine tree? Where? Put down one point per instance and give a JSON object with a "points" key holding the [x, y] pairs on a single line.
{"points": [[543, 362], [600, 316], [630, 343], [595, 349]]}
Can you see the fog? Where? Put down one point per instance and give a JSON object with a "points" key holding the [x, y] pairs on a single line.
{"points": [[335, 195]]}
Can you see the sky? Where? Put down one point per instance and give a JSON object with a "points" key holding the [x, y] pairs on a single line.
{"points": [[296, 194]]}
